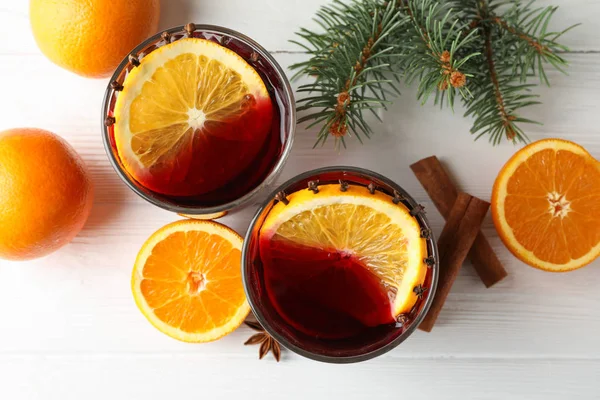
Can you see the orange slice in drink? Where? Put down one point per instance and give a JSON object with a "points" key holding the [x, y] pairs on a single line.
{"points": [[187, 281], [546, 205], [369, 228], [191, 117]]}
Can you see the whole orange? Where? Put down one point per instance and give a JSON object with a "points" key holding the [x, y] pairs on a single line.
{"points": [[91, 37], [46, 193]]}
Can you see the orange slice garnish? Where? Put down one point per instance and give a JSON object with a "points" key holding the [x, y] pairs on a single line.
{"points": [[379, 234]]}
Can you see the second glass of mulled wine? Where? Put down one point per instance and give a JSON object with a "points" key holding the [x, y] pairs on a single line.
{"points": [[340, 265]]}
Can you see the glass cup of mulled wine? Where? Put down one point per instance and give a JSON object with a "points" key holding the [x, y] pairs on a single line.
{"points": [[198, 119], [339, 264]]}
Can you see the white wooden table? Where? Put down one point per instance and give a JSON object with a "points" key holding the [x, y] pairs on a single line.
{"points": [[69, 328]]}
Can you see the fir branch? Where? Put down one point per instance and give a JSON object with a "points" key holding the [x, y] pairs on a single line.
{"points": [[352, 59], [501, 119], [483, 51], [508, 52], [430, 52], [494, 117], [537, 46]]}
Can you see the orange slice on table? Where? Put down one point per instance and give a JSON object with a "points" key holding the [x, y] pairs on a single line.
{"points": [[381, 235], [182, 109], [546, 205], [187, 281]]}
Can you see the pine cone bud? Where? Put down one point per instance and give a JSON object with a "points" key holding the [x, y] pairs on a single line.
{"points": [[338, 130], [458, 79], [343, 99], [445, 57]]}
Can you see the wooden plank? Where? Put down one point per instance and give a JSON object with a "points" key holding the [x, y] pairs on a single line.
{"points": [[228, 376]]}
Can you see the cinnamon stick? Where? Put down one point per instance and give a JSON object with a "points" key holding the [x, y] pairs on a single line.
{"points": [[457, 237], [443, 193]]}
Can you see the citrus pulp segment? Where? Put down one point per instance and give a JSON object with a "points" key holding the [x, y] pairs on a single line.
{"points": [[190, 115], [546, 205], [187, 281], [381, 235]]}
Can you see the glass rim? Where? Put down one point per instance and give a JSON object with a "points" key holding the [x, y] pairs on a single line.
{"points": [[286, 148], [432, 245]]}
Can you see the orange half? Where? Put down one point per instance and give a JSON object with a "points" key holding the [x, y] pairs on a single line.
{"points": [[187, 281], [546, 205]]}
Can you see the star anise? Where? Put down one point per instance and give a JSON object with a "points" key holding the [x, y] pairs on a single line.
{"points": [[266, 341]]}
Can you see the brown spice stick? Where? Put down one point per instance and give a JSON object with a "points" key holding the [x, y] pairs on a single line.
{"points": [[443, 193], [456, 239]]}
